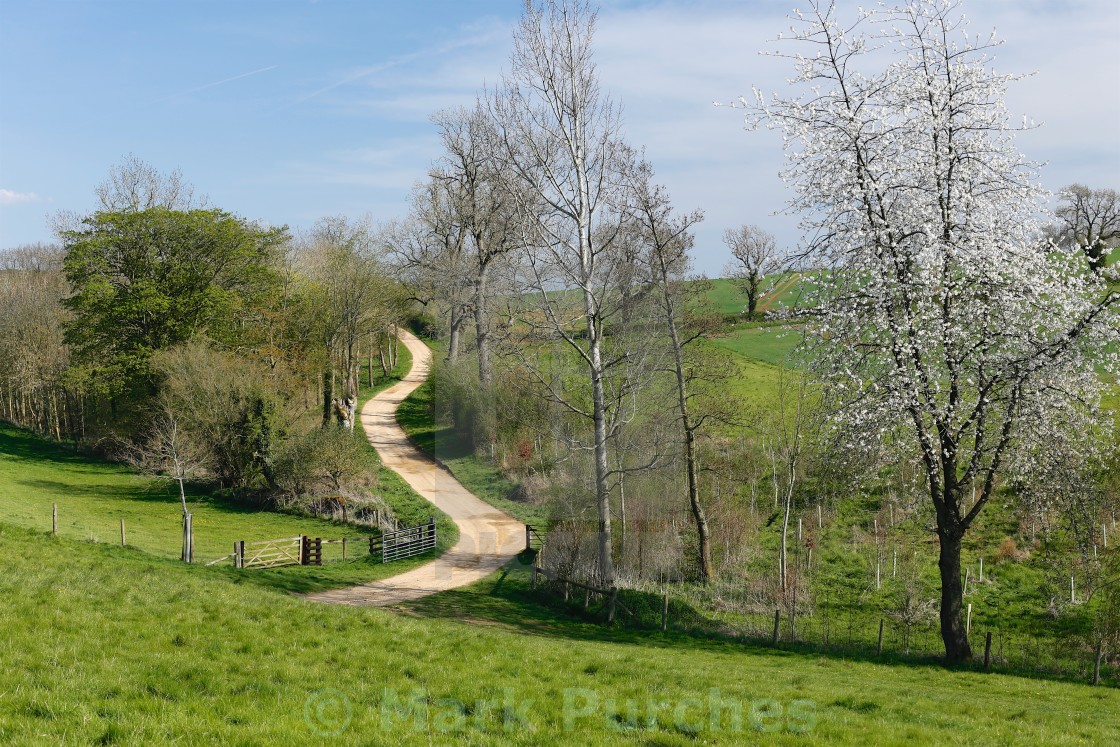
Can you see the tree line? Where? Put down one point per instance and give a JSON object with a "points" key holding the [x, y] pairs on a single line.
{"points": [[193, 341]]}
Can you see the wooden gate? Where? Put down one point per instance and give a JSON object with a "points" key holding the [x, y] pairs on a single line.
{"points": [[270, 553]]}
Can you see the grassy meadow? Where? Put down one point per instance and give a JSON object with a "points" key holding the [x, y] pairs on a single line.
{"points": [[110, 645], [113, 646]]}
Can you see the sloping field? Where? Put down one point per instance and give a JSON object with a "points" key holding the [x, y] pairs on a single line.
{"points": [[104, 645]]}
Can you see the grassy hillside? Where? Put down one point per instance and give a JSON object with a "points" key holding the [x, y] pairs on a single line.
{"points": [[780, 291], [93, 496], [104, 645]]}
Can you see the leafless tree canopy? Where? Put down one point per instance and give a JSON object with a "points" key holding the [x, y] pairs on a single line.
{"points": [[1090, 219], [134, 185], [754, 256]]}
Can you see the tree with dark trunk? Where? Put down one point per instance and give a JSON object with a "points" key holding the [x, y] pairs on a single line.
{"points": [[941, 326], [754, 256], [1090, 220]]}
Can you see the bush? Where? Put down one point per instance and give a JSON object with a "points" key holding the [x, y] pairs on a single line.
{"points": [[1009, 550], [229, 407]]}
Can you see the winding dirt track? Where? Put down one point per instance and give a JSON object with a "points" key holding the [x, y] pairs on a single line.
{"points": [[488, 538]]}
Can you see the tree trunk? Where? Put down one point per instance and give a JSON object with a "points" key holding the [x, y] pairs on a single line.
{"points": [[952, 595], [457, 319], [602, 489], [622, 515], [783, 563], [699, 515], [369, 362], [753, 283], [485, 370], [482, 330], [328, 394]]}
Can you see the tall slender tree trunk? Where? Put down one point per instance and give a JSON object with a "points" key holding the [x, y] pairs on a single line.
{"points": [[453, 342], [602, 489], [783, 561], [482, 328], [328, 394], [369, 362], [699, 515]]}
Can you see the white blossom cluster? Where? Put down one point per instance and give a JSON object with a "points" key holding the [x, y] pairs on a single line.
{"points": [[946, 320]]}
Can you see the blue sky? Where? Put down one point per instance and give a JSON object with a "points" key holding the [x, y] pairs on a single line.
{"points": [[288, 110]]}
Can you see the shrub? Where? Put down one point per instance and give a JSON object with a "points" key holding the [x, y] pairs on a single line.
{"points": [[1009, 550]]}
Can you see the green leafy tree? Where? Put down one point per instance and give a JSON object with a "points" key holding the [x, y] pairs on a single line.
{"points": [[146, 280]]}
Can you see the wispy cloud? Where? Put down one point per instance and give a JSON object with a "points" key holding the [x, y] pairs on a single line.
{"points": [[217, 83], [427, 54], [11, 197]]}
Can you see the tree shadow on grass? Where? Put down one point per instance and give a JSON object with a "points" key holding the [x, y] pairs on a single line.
{"points": [[22, 444], [505, 600]]}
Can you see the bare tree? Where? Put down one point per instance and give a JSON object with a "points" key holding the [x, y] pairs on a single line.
{"points": [[668, 243], [135, 185], [1090, 220], [754, 256], [563, 142], [167, 449], [789, 431], [482, 205], [429, 250]]}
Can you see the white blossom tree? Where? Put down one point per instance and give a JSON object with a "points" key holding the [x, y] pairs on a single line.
{"points": [[942, 323]]}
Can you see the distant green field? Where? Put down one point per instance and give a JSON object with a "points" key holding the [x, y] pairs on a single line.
{"points": [[728, 298], [110, 646], [772, 345]]}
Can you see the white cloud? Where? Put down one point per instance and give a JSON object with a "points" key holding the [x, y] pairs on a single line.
{"points": [[10, 197]]}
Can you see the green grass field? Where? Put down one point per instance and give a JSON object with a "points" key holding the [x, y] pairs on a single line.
{"points": [[769, 344], [780, 291], [108, 645], [111, 645], [93, 496]]}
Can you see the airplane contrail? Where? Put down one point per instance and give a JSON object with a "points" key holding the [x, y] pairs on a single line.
{"points": [[220, 82]]}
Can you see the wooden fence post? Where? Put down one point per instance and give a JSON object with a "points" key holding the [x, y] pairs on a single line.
{"points": [[123, 542], [879, 645], [533, 582], [665, 611], [344, 548], [237, 554], [611, 605], [528, 537], [54, 519], [777, 620], [1097, 662], [988, 650]]}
